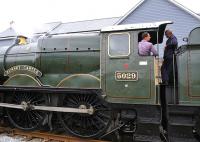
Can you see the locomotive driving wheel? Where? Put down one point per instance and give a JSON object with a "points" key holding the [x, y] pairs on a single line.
{"points": [[85, 125], [26, 119]]}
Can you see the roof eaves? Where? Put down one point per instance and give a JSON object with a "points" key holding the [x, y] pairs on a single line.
{"points": [[6, 38], [129, 12], [185, 9]]}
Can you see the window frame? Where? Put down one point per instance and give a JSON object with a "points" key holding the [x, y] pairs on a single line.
{"points": [[118, 56]]}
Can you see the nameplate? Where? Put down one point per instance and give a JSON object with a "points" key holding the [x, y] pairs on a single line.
{"points": [[22, 69]]}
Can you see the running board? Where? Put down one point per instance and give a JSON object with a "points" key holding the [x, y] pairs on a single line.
{"points": [[46, 89]]}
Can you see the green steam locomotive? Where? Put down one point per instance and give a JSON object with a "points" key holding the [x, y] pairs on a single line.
{"points": [[96, 84]]}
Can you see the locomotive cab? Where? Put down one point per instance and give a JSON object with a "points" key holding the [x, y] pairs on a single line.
{"points": [[124, 73]]}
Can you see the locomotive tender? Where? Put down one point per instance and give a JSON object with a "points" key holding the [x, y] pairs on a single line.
{"points": [[97, 84]]}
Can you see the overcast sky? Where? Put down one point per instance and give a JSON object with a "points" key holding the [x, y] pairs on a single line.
{"points": [[28, 13]]}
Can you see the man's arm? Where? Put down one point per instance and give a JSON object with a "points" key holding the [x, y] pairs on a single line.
{"points": [[174, 41], [153, 50]]}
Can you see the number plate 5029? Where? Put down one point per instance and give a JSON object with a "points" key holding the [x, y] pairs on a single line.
{"points": [[126, 76]]}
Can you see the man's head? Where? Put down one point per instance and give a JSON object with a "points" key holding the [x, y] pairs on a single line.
{"points": [[146, 36], [168, 33]]}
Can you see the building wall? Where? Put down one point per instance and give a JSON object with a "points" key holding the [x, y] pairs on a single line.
{"points": [[163, 10]]}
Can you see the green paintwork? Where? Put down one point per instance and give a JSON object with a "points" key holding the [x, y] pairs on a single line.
{"points": [[22, 80], [189, 78], [141, 91], [80, 81], [69, 62], [194, 37], [188, 70], [57, 57], [182, 75]]}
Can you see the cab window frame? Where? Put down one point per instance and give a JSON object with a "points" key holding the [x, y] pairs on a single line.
{"points": [[129, 45]]}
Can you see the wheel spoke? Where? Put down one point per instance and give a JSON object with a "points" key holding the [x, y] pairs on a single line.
{"points": [[41, 101], [71, 101], [100, 120], [26, 119], [95, 124], [104, 115], [66, 117], [92, 102], [33, 118], [73, 98], [31, 122], [85, 125]]}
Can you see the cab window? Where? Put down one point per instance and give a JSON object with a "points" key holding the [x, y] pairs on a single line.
{"points": [[119, 44], [146, 48]]}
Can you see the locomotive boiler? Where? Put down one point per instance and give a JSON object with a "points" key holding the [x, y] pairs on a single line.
{"points": [[96, 84]]}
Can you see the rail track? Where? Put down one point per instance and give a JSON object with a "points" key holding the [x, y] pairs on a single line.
{"points": [[37, 136]]}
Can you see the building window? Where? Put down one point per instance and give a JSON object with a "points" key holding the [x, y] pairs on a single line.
{"points": [[119, 44]]}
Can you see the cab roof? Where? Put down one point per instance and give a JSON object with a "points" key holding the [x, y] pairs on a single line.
{"points": [[135, 26]]}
